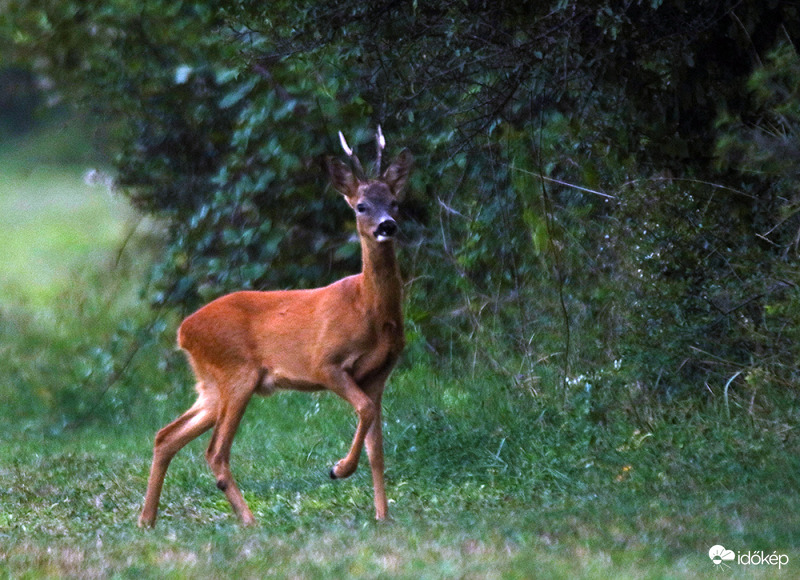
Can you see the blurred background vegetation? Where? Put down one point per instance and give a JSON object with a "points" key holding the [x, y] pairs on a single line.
{"points": [[604, 189]]}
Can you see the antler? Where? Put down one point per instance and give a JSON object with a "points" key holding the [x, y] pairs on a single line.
{"points": [[381, 142], [353, 158]]}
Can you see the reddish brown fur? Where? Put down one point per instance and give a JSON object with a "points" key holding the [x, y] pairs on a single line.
{"points": [[345, 337]]}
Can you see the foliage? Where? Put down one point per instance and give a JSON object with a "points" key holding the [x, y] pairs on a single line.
{"points": [[563, 212], [766, 144]]}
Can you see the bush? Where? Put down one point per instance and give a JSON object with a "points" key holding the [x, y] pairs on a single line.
{"points": [[561, 215]]}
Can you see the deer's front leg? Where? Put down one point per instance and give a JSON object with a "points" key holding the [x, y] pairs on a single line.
{"points": [[374, 442], [373, 389], [343, 385]]}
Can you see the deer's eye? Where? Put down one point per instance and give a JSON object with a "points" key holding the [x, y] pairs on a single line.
{"points": [[361, 207]]}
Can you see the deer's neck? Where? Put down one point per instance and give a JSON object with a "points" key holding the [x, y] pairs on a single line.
{"points": [[383, 286]]}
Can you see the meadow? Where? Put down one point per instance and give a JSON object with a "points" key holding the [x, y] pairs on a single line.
{"points": [[489, 475]]}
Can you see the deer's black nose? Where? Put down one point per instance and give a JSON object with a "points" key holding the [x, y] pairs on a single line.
{"points": [[387, 229]]}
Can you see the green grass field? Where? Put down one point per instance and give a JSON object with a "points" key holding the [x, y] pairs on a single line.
{"points": [[487, 477], [52, 223]]}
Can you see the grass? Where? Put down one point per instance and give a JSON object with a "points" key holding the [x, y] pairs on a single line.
{"points": [[487, 477], [51, 221], [462, 507]]}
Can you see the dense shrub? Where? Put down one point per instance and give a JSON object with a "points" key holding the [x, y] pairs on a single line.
{"points": [[569, 207]]}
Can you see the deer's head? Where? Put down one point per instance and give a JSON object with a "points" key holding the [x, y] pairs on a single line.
{"points": [[374, 200]]}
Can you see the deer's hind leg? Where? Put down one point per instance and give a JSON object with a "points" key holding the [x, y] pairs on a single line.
{"points": [[197, 420], [235, 395]]}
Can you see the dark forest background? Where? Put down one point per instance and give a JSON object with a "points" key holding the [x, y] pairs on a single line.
{"points": [[601, 187]]}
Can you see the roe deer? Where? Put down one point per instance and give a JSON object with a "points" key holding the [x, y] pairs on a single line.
{"points": [[345, 337]]}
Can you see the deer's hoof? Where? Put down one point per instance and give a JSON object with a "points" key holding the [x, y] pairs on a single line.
{"points": [[332, 473], [146, 523]]}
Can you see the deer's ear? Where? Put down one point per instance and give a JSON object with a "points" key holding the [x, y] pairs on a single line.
{"points": [[396, 175], [342, 177]]}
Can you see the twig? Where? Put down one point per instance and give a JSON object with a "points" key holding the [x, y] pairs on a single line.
{"points": [[564, 183], [718, 358]]}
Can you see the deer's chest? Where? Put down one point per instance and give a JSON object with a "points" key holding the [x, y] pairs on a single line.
{"points": [[379, 351]]}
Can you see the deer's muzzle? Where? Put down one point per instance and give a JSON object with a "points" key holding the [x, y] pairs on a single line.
{"points": [[386, 230]]}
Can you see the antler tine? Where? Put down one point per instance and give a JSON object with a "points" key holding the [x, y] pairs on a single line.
{"points": [[381, 142], [352, 156], [344, 145]]}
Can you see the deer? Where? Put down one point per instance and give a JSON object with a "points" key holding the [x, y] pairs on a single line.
{"points": [[344, 338]]}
